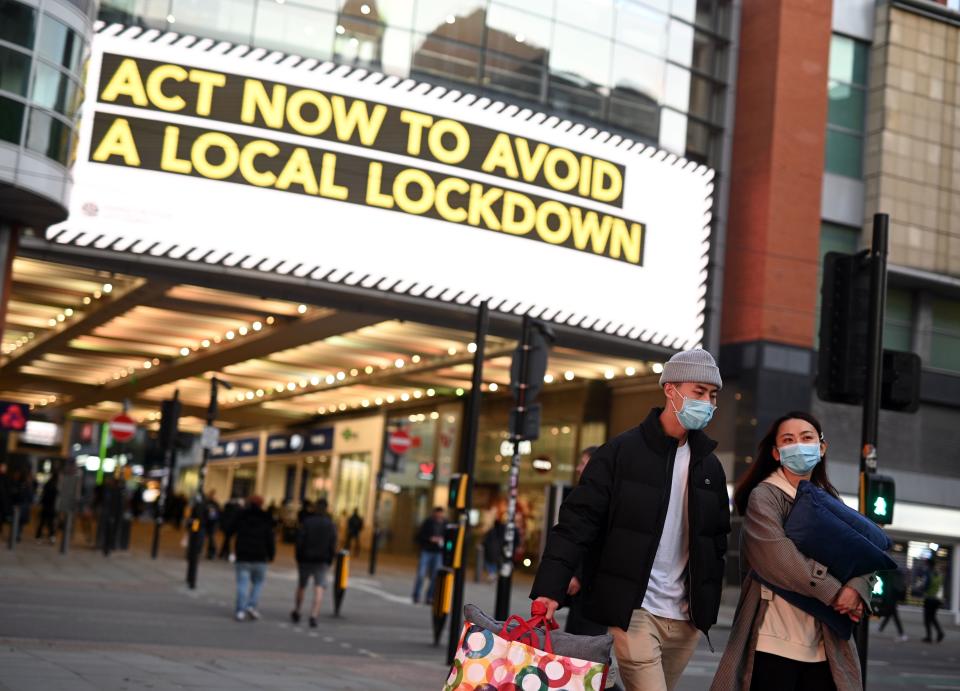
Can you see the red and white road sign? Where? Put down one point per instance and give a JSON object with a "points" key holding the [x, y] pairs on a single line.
{"points": [[399, 442], [122, 427]]}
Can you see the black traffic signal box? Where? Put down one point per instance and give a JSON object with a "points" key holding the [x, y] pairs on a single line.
{"points": [[453, 545]]}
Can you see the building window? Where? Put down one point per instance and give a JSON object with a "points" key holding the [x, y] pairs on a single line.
{"points": [[11, 120], [17, 23], [945, 339], [846, 116], [14, 71], [898, 320]]}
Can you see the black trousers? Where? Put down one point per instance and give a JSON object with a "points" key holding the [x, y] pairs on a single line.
{"points": [[48, 521], [930, 607], [775, 673], [892, 613]]}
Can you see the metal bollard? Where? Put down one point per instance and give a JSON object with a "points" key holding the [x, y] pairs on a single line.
{"points": [[341, 577], [14, 528], [442, 600], [67, 533]]}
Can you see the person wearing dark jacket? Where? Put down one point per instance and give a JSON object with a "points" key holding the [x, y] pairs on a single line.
{"points": [[430, 540], [228, 525], [648, 525], [315, 549], [255, 548], [354, 526], [211, 522], [48, 508], [6, 505]]}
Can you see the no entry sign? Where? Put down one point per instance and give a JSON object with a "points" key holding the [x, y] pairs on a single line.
{"points": [[399, 442], [122, 428]]}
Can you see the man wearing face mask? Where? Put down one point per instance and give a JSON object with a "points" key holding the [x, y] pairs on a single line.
{"points": [[649, 522]]}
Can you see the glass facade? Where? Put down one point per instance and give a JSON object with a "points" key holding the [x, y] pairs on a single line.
{"points": [[945, 339], [651, 69], [40, 90], [846, 115]]}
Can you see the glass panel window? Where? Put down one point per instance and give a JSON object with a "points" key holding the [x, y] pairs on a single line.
{"points": [[945, 341], [673, 131], [55, 90], [48, 136], [518, 34], [848, 60], [227, 20], [11, 120], [680, 48], [397, 52], [17, 23], [397, 13], [589, 15], [149, 13], [677, 88], [581, 56], [521, 78], [59, 44], [437, 58], [844, 154], [298, 30], [457, 20], [847, 106], [898, 320], [14, 71], [699, 140], [641, 27], [359, 42]]}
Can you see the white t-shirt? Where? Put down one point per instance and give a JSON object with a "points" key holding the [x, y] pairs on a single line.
{"points": [[666, 589]]}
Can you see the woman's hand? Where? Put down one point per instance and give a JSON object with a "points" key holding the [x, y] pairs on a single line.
{"points": [[551, 606], [574, 586], [848, 602]]}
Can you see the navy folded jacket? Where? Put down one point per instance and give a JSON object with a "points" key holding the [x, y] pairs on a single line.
{"points": [[849, 544]]}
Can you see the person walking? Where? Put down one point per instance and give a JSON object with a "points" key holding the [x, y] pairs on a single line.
{"points": [[430, 540], [354, 526], [256, 547], [896, 593], [493, 547], [228, 525], [211, 522], [316, 548], [932, 601], [773, 644], [648, 525], [6, 503], [21, 496], [48, 509]]}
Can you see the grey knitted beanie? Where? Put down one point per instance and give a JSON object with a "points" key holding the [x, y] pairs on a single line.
{"points": [[695, 365]]}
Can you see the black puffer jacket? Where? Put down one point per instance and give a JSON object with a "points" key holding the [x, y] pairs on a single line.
{"points": [[316, 539], [255, 538], [612, 521]]}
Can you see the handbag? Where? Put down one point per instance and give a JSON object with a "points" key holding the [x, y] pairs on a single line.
{"points": [[501, 655]]}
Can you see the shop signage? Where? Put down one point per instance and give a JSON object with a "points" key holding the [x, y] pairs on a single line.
{"points": [[188, 151], [320, 439], [13, 416], [236, 448]]}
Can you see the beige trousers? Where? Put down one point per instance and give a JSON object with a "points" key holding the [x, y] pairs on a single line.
{"points": [[653, 652]]}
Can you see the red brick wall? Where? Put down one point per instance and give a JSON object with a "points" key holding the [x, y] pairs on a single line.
{"points": [[777, 169]]}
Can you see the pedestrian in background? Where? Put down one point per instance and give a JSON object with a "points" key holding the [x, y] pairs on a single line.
{"points": [[21, 496], [256, 547], [773, 644], [933, 584], [6, 505], [354, 527], [652, 549], [896, 592], [48, 509], [228, 524], [493, 543], [211, 522], [316, 546], [430, 540]]}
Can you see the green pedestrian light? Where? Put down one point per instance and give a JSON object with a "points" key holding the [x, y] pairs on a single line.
{"points": [[880, 497], [878, 587], [880, 506]]}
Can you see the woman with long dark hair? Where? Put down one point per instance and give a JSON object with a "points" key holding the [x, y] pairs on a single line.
{"points": [[773, 644]]}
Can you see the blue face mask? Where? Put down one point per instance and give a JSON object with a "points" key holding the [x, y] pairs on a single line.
{"points": [[800, 459], [695, 414]]}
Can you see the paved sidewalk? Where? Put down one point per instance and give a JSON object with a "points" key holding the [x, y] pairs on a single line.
{"points": [[83, 622]]}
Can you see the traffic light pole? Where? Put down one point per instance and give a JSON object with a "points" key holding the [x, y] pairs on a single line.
{"points": [[871, 398], [505, 578], [468, 456], [196, 528]]}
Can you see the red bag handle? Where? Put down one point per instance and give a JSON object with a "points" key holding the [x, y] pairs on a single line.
{"points": [[525, 630]]}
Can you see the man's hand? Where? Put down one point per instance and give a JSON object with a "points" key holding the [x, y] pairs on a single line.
{"points": [[574, 586], [551, 606]]}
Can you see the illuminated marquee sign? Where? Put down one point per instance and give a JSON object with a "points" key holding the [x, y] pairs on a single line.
{"points": [[220, 154]]}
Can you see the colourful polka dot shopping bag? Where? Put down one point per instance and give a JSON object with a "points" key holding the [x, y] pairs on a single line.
{"points": [[519, 657]]}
